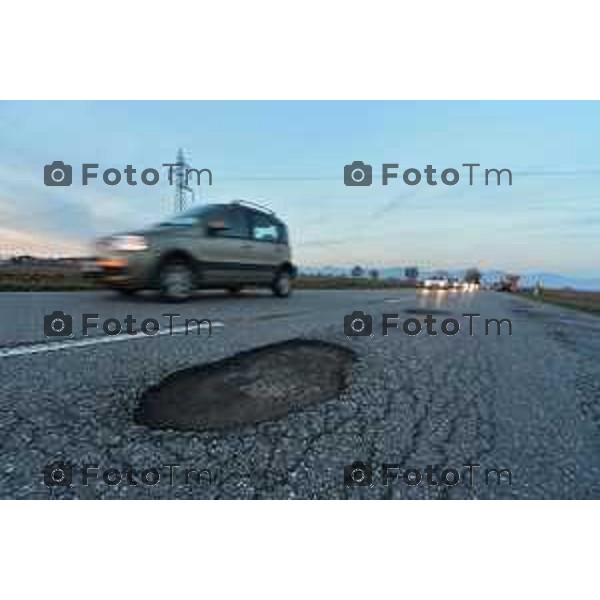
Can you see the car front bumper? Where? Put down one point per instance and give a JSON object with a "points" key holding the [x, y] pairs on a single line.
{"points": [[124, 271]]}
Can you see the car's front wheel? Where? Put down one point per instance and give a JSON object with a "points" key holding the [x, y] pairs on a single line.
{"points": [[282, 285], [176, 281]]}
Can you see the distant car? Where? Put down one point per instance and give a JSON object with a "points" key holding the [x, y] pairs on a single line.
{"points": [[436, 282], [212, 246]]}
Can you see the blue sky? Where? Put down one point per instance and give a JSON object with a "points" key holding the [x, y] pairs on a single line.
{"points": [[290, 155]]}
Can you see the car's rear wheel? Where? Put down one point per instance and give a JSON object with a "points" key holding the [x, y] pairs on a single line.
{"points": [[282, 285], [176, 281]]}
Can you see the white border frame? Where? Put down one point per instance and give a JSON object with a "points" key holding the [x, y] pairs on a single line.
{"points": [[339, 49], [313, 50]]}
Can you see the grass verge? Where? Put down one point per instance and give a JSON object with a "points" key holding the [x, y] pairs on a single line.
{"points": [[34, 281], [45, 280], [584, 301], [347, 283]]}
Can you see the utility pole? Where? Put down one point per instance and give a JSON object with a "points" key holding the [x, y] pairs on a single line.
{"points": [[184, 194]]}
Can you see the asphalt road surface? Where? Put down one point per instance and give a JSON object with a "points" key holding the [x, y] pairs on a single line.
{"points": [[529, 403]]}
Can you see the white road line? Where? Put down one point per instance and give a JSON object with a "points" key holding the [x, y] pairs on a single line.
{"points": [[70, 343]]}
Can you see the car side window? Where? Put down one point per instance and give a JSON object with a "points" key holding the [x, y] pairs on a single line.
{"points": [[264, 229], [234, 221]]}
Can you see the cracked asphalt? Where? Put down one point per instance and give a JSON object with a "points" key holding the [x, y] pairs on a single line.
{"points": [[529, 402]]}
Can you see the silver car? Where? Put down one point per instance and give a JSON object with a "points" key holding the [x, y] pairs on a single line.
{"points": [[213, 246]]}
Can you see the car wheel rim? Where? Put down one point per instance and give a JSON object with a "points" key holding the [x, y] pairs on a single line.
{"points": [[283, 285], [177, 282]]}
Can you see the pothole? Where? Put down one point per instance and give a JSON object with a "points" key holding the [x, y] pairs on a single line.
{"points": [[262, 384]]}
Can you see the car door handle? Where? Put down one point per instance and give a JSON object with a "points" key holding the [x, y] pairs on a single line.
{"points": [[246, 246]]}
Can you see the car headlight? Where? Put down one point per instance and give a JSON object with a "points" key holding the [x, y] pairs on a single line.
{"points": [[129, 243]]}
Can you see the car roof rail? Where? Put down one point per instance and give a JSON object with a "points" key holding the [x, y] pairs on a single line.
{"points": [[251, 204]]}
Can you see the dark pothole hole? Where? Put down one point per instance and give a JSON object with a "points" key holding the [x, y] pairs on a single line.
{"points": [[262, 384]]}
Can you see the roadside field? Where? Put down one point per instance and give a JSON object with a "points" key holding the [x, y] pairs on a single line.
{"points": [[42, 279], [349, 283], [585, 301], [46, 279]]}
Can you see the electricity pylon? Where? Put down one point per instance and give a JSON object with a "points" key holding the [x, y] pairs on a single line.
{"points": [[184, 194]]}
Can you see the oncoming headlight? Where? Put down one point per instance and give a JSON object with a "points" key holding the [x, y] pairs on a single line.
{"points": [[129, 243]]}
